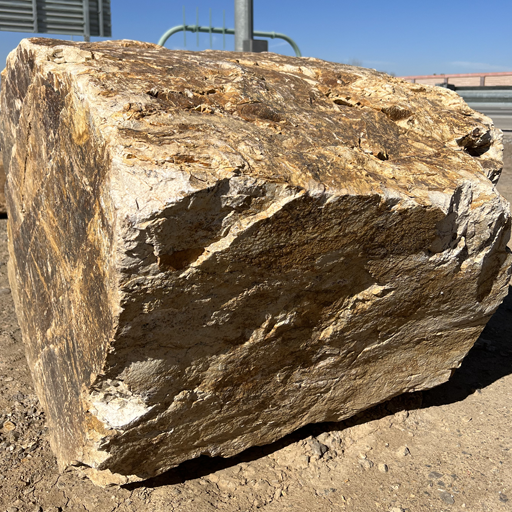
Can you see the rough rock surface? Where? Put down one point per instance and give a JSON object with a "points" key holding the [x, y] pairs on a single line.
{"points": [[3, 206], [210, 250]]}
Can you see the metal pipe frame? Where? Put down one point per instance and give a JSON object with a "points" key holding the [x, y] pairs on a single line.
{"points": [[230, 31]]}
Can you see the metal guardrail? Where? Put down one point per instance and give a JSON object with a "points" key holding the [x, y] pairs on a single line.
{"points": [[499, 94], [493, 101], [483, 98]]}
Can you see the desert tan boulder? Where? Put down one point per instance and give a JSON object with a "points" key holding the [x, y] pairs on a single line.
{"points": [[210, 250]]}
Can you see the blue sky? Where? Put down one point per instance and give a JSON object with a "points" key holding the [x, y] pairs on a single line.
{"points": [[405, 37]]}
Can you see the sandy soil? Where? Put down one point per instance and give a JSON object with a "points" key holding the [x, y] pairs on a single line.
{"points": [[447, 449]]}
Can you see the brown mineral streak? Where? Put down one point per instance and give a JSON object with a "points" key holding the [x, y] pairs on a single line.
{"points": [[210, 250]]}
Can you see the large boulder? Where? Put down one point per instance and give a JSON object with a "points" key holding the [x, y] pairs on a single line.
{"points": [[210, 250]]}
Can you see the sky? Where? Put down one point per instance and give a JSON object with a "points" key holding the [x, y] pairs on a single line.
{"points": [[403, 37]]}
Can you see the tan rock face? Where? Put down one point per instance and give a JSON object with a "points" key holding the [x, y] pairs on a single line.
{"points": [[210, 250], [3, 206]]}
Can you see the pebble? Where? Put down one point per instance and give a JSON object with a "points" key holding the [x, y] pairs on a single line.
{"points": [[403, 451], [447, 497], [383, 468], [365, 463], [214, 478], [303, 461], [396, 509], [317, 448], [12, 509], [9, 426]]}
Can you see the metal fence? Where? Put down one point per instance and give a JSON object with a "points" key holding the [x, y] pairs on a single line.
{"points": [[72, 17]]}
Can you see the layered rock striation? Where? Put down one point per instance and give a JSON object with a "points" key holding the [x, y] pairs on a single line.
{"points": [[210, 250]]}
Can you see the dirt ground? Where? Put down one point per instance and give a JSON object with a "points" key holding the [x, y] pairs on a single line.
{"points": [[447, 449]]}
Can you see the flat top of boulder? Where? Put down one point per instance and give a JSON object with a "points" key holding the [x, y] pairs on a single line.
{"points": [[193, 118]]}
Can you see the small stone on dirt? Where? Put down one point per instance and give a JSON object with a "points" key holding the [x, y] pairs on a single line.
{"points": [[403, 451], [9, 426], [447, 497], [383, 468], [365, 463], [316, 447]]}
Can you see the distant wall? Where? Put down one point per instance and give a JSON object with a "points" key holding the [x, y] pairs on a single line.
{"points": [[464, 80]]}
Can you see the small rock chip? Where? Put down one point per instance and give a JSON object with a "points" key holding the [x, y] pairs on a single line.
{"points": [[316, 447], [214, 478], [365, 463], [9, 426], [303, 461], [12, 509], [403, 451], [434, 474], [325, 492], [396, 509], [447, 497], [383, 468]]}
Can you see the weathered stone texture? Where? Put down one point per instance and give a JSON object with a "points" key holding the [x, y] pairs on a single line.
{"points": [[210, 250], [3, 206]]}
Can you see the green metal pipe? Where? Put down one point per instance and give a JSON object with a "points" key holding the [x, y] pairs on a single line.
{"points": [[222, 30], [277, 35]]}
